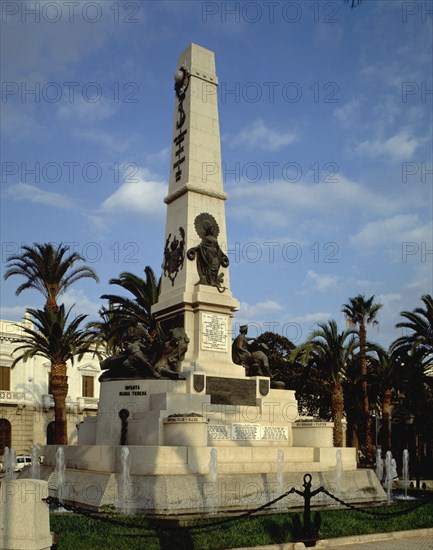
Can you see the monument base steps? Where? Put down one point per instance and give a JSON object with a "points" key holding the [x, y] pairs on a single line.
{"points": [[170, 479], [192, 493]]}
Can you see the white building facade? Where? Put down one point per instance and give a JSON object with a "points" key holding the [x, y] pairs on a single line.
{"points": [[26, 405]]}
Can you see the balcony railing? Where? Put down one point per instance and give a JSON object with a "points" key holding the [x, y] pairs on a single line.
{"points": [[12, 396], [47, 401]]}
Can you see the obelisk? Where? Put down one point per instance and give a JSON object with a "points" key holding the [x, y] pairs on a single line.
{"points": [[195, 290]]}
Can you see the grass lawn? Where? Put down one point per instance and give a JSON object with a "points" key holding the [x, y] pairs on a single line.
{"points": [[83, 533]]}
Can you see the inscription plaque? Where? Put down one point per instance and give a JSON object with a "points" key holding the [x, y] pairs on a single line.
{"points": [[245, 431], [231, 391], [218, 431], [274, 433], [214, 332]]}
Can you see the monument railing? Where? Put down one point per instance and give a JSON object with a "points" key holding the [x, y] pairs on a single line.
{"points": [[305, 530]]}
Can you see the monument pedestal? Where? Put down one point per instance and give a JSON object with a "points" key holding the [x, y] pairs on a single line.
{"points": [[171, 429], [237, 411]]}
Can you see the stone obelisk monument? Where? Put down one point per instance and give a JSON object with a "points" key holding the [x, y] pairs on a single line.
{"points": [[172, 423], [195, 291]]}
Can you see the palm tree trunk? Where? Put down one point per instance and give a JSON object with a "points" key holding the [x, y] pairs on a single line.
{"points": [[366, 439], [337, 408], [59, 387], [51, 302], [386, 419]]}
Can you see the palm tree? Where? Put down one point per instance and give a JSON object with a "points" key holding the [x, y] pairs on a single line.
{"points": [[124, 312], [47, 269], [59, 342], [416, 350], [108, 331], [420, 322], [387, 380], [330, 352], [361, 312]]}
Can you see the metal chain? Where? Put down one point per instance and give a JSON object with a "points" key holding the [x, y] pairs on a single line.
{"points": [[378, 515], [100, 517]]}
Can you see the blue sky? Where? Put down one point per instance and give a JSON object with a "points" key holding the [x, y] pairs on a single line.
{"points": [[326, 130]]}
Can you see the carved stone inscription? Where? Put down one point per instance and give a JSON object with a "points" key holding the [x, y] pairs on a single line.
{"points": [[231, 391], [132, 389], [218, 431], [246, 431], [214, 332], [275, 433]]}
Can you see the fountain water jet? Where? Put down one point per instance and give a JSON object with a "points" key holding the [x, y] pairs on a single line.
{"points": [[405, 476], [8, 459], [280, 476], [338, 473], [388, 476], [35, 468], [12, 462], [379, 465], [213, 476], [60, 472], [124, 501], [405, 471]]}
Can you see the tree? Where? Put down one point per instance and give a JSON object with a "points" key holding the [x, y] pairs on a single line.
{"points": [[352, 3], [387, 381], [108, 331], [361, 312], [279, 349], [145, 293], [125, 313], [304, 379], [330, 352], [416, 350], [59, 341], [420, 339], [47, 269]]}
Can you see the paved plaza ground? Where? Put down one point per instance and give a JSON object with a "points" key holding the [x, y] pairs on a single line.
{"points": [[420, 539]]}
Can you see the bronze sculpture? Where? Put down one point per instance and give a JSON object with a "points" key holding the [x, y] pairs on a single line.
{"points": [[210, 257], [147, 357]]}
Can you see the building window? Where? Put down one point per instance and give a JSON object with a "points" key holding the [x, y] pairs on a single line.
{"points": [[51, 433], [50, 391], [5, 378], [5, 435], [88, 386]]}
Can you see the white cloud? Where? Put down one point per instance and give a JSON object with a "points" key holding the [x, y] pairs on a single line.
{"points": [[81, 304], [260, 309], [19, 122], [260, 136], [142, 195], [401, 146], [400, 228], [277, 203], [159, 156], [348, 114], [74, 37], [85, 111], [105, 139], [387, 299], [316, 317], [14, 313], [320, 283], [31, 193]]}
